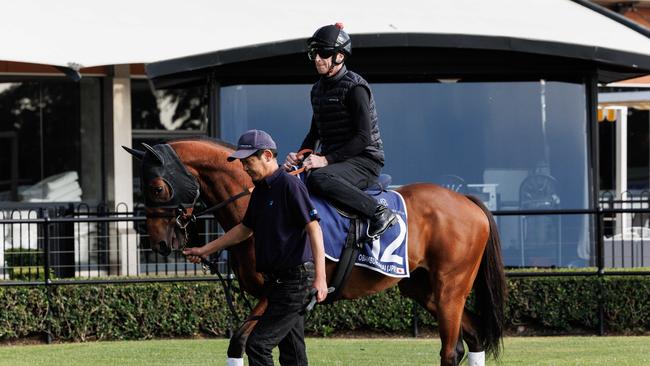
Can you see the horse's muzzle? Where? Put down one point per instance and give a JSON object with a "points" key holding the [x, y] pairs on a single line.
{"points": [[163, 248]]}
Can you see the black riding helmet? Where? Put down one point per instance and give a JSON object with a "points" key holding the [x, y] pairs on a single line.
{"points": [[329, 40]]}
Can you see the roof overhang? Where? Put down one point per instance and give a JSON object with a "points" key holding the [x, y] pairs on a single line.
{"points": [[418, 55], [466, 39], [73, 34], [631, 99]]}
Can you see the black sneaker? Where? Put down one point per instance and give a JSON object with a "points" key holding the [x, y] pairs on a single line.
{"points": [[383, 219]]}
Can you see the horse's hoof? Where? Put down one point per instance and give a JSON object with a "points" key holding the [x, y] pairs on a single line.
{"points": [[476, 359], [234, 361]]}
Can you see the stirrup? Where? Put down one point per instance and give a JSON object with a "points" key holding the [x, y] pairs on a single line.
{"points": [[380, 233]]}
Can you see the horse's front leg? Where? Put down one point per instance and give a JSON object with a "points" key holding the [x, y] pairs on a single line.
{"points": [[238, 340]]}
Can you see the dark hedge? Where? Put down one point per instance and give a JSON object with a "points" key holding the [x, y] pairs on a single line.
{"points": [[143, 311]]}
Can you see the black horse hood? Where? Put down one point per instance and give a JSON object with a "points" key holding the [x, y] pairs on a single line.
{"points": [[162, 161]]}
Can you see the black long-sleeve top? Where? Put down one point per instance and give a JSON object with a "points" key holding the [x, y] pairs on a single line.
{"points": [[358, 104]]}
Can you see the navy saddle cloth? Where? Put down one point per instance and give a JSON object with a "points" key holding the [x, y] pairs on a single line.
{"points": [[389, 253]]}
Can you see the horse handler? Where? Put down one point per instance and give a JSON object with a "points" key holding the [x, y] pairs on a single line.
{"points": [[288, 250]]}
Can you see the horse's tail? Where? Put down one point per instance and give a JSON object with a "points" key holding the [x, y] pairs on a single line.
{"points": [[490, 289]]}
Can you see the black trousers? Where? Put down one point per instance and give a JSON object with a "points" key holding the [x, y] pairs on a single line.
{"points": [[342, 183], [283, 322]]}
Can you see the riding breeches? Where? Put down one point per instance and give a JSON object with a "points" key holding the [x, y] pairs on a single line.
{"points": [[342, 184]]}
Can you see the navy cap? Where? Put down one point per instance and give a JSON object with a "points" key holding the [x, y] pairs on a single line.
{"points": [[251, 141]]}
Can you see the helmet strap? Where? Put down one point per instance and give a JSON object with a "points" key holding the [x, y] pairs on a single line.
{"points": [[334, 62]]}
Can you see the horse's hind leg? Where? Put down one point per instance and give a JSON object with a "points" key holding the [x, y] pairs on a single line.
{"points": [[418, 287], [237, 343], [450, 311], [470, 324]]}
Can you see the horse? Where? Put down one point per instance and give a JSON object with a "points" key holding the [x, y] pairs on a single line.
{"points": [[454, 247]]}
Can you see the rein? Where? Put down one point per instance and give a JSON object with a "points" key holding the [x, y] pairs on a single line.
{"points": [[297, 169], [230, 199]]}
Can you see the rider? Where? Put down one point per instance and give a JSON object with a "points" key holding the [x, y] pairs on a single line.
{"points": [[345, 123]]}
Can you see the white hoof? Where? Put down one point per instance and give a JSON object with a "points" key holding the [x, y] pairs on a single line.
{"points": [[476, 359], [235, 362]]}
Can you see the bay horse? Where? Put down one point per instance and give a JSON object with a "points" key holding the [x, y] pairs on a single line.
{"points": [[454, 247]]}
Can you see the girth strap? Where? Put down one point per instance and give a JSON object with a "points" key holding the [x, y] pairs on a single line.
{"points": [[346, 261]]}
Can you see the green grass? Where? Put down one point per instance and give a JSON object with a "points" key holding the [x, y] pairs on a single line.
{"points": [[335, 351]]}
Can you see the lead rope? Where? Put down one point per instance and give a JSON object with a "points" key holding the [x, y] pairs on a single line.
{"points": [[183, 220], [227, 287]]}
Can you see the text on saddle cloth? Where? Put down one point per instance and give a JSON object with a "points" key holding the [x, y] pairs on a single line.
{"points": [[387, 255]]}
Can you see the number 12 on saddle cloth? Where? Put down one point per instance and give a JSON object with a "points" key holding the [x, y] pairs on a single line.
{"points": [[387, 255]]}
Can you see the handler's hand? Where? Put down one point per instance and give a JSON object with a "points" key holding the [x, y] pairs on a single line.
{"points": [[321, 286], [314, 161], [193, 255], [290, 161]]}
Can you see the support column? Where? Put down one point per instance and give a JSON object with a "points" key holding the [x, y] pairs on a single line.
{"points": [[123, 245], [625, 221]]}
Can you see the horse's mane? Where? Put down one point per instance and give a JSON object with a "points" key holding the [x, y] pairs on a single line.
{"points": [[212, 140]]}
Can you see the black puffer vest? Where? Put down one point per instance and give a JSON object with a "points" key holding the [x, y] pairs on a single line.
{"points": [[333, 120]]}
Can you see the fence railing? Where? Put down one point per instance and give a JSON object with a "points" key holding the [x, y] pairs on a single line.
{"points": [[625, 229], [76, 242], [94, 244]]}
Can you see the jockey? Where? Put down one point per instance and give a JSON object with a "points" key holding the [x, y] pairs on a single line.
{"points": [[344, 122]]}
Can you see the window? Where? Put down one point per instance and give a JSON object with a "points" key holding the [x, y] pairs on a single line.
{"points": [[168, 109], [518, 145], [49, 131], [161, 115], [158, 116]]}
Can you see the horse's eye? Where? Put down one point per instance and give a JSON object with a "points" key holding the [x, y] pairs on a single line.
{"points": [[157, 190]]}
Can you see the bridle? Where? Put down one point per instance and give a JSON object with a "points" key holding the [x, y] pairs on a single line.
{"points": [[184, 214]]}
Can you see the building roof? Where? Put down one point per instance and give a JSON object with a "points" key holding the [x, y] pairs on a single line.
{"points": [[624, 3], [200, 34]]}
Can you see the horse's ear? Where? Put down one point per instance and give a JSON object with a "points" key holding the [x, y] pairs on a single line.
{"points": [[154, 152], [136, 153]]}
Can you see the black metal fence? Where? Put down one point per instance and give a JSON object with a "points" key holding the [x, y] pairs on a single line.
{"points": [[625, 229], [61, 244], [67, 243]]}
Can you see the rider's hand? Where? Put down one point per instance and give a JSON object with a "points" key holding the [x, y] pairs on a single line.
{"points": [[321, 286], [290, 161], [314, 161], [193, 255]]}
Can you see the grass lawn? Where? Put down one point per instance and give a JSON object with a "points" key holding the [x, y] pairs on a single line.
{"points": [[335, 351]]}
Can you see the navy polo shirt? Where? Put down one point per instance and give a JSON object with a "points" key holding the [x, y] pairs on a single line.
{"points": [[278, 210]]}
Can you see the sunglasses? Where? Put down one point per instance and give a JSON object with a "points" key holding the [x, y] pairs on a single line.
{"points": [[322, 52]]}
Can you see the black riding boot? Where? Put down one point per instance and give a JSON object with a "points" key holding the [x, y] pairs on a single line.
{"points": [[383, 218]]}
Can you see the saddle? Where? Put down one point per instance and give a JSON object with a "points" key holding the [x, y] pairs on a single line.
{"points": [[379, 186], [354, 240]]}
